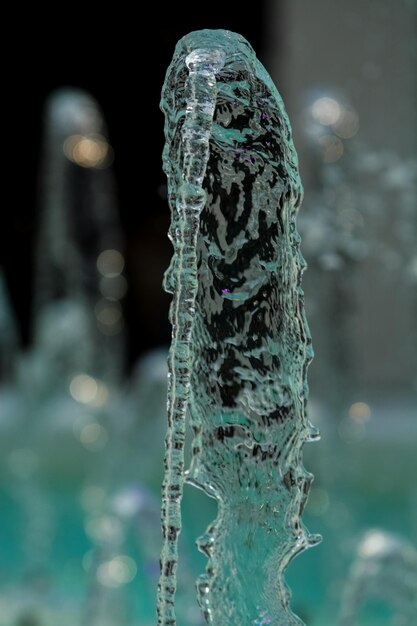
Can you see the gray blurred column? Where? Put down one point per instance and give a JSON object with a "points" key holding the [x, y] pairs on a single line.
{"points": [[363, 55]]}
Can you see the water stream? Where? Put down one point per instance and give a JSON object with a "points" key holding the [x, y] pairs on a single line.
{"points": [[241, 344]]}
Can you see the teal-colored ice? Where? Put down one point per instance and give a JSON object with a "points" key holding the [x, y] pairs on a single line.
{"points": [[240, 344]]}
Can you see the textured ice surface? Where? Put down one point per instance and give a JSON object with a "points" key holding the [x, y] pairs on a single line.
{"points": [[241, 345]]}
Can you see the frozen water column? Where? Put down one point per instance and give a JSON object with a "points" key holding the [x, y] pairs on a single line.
{"points": [[241, 345]]}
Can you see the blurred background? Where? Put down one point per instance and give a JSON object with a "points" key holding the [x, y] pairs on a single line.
{"points": [[83, 317]]}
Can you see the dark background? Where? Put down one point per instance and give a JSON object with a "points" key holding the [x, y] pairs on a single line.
{"points": [[107, 55]]}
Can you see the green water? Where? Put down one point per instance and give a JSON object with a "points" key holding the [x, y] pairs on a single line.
{"points": [[317, 578]]}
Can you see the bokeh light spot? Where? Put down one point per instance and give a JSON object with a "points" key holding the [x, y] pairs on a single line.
{"points": [[110, 263], [89, 151], [326, 111], [117, 571]]}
